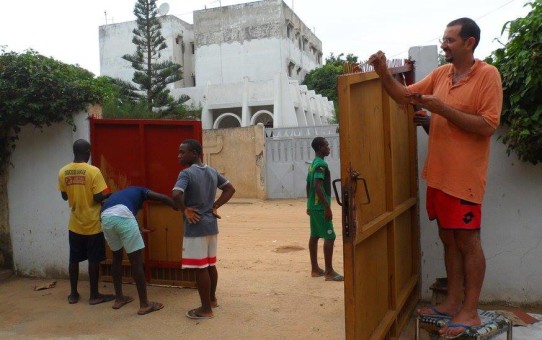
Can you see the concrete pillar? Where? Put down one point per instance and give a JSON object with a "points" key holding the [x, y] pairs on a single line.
{"points": [[206, 116], [307, 108], [320, 110], [425, 60], [245, 112], [316, 112], [277, 101], [299, 110]]}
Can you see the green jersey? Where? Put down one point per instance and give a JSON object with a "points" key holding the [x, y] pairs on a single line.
{"points": [[318, 170]]}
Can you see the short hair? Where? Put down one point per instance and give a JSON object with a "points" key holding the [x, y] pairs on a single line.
{"points": [[469, 28], [317, 143], [81, 147], [193, 145]]}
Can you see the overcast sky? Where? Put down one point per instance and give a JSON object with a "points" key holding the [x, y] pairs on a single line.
{"points": [[67, 30]]}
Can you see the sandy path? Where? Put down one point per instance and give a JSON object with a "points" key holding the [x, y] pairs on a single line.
{"points": [[265, 290]]}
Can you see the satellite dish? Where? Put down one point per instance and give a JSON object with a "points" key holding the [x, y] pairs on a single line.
{"points": [[163, 9]]}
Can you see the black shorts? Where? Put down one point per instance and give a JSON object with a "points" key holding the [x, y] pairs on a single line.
{"points": [[87, 247]]}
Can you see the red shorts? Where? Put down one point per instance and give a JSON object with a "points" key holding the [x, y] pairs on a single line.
{"points": [[452, 212]]}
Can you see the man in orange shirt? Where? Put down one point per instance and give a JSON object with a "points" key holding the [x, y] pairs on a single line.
{"points": [[465, 97]]}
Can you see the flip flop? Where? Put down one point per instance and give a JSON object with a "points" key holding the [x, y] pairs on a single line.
{"points": [[193, 314], [456, 325], [127, 300], [101, 299], [436, 313], [318, 274], [73, 298], [153, 307], [335, 277]]}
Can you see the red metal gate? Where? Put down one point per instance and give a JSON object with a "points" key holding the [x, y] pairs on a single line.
{"points": [[144, 153]]}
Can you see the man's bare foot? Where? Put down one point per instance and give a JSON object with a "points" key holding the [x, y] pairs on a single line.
{"points": [[460, 323], [196, 313], [73, 298], [445, 309], [434, 311], [334, 276], [318, 273], [152, 307], [214, 303], [101, 298], [123, 301]]}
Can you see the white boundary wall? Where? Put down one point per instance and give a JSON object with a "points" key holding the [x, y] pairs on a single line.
{"points": [[38, 216]]}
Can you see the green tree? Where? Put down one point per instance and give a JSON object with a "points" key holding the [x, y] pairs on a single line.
{"points": [[323, 80], [122, 100], [441, 58], [520, 64], [37, 90], [151, 74]]}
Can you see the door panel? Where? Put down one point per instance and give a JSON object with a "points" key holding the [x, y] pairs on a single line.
{"points": [[144, 153], [380, 207]]}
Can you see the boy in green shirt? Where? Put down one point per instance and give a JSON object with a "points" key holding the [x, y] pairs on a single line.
{"points": [[319, 210]]}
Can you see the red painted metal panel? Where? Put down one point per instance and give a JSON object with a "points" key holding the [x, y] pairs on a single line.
{"points": [[140, 152], [144, 153]]}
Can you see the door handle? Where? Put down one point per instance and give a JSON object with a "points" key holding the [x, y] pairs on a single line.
{"points": [[355, 177], [366, 190], [336, 192]]}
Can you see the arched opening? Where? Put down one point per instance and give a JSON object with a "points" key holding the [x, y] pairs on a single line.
{"points": [[227, 120], [263, 116]]}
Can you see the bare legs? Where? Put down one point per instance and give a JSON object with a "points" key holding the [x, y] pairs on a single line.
{"points": [[313, 252], [93, 275], [328, 256], [138, 274], [465, 268], [213, 275], [207, 280], [73, 270], [329, 272]]}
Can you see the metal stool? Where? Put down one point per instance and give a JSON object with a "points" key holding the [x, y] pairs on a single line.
{"points": [[433, 327]]}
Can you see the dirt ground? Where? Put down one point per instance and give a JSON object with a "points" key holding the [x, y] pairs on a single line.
{"points": [[265, 290]]}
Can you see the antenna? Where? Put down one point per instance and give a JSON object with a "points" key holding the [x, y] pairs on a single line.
{"points": [[163, 9]]}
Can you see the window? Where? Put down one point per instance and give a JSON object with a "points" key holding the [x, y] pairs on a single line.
{"points": [[193, 47], [179, 41], [291, 67], [289, 29]]}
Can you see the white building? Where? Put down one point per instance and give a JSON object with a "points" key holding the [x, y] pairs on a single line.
{"points": [[242, 64]]}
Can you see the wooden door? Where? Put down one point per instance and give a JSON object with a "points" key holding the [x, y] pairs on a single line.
{"points": [[380, 207]]}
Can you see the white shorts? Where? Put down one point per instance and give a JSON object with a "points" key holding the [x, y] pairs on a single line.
{"points": [[199, 252], [122, 232]]}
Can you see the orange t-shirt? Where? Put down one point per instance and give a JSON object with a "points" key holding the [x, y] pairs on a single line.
{"points": [[457, 160]]}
